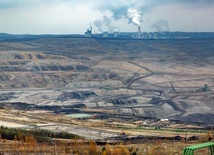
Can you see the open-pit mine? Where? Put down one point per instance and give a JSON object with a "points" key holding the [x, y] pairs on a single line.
{"points": [[108, 89]]}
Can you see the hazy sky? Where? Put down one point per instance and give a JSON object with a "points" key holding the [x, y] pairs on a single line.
{"points": [[74, 16]]}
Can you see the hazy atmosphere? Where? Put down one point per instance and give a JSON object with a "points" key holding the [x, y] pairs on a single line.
{"points": [[73, 17]]}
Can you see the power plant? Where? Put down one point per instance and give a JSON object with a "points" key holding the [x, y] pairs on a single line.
{"points": [[106, 28], [129, 35], [135, 17]]}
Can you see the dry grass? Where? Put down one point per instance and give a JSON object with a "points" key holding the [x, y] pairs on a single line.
{"points": [[79, 147]]}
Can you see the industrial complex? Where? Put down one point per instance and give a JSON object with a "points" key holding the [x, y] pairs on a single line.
{"points": [[139, 35]]}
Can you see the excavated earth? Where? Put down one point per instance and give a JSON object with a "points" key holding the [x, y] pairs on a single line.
{"points": [[161, 79]]}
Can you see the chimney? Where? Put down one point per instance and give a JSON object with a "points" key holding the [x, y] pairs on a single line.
{"points": [[139, 32]]}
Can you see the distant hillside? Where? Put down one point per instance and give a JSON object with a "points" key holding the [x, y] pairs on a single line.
{"points": [[123, 35], [28, 37]]}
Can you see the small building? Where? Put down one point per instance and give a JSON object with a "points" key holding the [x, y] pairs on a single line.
{"points": [[88, 33], [164, 120]]}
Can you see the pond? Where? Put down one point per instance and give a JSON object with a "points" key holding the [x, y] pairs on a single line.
{"points": [[80, 115]]}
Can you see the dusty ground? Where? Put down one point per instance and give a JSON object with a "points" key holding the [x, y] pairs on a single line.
{"points": [[113, 80], [100, 130]]}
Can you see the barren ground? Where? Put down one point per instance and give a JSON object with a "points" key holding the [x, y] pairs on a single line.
{"points": [[120, 83]]}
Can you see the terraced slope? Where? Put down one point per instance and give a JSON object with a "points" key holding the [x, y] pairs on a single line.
{"points": [[150, 78]]}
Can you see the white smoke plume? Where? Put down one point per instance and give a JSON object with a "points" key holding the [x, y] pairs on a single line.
{"points": [[161, 25], [119, 9], [122, 8], [134, 16], [105, 24]]}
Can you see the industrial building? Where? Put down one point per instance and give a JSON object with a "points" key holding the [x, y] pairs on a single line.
{"points": [[88, 33]]}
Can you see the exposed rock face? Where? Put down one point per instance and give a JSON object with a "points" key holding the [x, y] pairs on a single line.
{"points": [[159, 79], [75, 95]]}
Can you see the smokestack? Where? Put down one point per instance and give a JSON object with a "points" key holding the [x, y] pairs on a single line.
{"points": [[139, 32]]}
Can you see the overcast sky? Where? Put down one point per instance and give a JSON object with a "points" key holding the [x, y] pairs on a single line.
{"points": [[74, 16]]}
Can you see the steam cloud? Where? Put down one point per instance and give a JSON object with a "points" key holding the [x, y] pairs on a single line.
{"points": [[134, 16], [105, 24], [161, 25], [122, 8]]}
